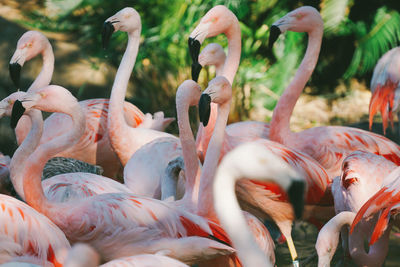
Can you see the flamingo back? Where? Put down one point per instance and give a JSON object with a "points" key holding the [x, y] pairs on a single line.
{"points": [[32, 233]]}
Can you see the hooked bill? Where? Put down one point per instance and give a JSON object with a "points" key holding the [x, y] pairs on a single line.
{"points": [[15, 72], [194, 49], [17, 111], [107, 31], [273, 35], [204, 109], [196, 68]]}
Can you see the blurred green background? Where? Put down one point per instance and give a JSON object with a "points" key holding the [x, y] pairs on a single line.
{"points": [[357, 33]]}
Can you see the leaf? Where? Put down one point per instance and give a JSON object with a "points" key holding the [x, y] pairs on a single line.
{"points": [[383, 35], [333, 12]]}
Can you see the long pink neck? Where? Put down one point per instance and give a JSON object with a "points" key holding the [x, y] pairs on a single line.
{"points": [[34, 117], [118, 129], [192, 168], [377, 252], [45, 75], [206, 200], [35, 163], [280, 123], [229, 71]]}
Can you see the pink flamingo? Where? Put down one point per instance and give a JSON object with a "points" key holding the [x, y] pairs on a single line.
{"points": [[144, 153], [213, 54], [386, 201], [28, 236], [94, 147], [249, 160], [259, 198], [385, 88], [328, 145], [116, 224], [219, 20], [362, 176]]}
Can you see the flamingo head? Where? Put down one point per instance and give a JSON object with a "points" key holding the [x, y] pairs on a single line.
{"points": [[219, 91], [7, 103], [31, 44], [50, 98], [126, 20], [218, 19], [212, 54], [188, 92], [302, 19]]}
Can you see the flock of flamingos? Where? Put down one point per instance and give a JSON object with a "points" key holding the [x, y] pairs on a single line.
{"points": [[186, 201]]}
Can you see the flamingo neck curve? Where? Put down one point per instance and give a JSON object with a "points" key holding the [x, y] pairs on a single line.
{"points": [[32, 140], [35, 163], [280, 122], [118, 129], [45, 75]]}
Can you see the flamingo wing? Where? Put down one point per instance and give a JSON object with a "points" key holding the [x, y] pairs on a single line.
{"points": [[32, 233]]}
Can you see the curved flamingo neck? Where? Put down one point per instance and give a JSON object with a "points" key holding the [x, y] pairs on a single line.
{"points": [[280, 122], [118, 129], [233, 221], [35, 163], [45, 75], [192, 168], [34, 117], [205, 206], [377, 252], [228, 71]]}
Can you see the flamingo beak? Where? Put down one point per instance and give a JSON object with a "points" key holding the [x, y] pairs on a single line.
{"points": [[204, 108], [15, 73], [17, 111], [107, 31], [194, 51], [273, 35], [296, 197]]}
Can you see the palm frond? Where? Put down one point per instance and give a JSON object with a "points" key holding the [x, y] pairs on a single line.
{"points": [[383, 35], [334, 12]]}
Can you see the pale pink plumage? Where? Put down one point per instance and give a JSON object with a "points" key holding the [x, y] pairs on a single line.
{"points": [[115, 224], [126, 140], [94, 146], [385, 88], [331, 144], [28, 235]]}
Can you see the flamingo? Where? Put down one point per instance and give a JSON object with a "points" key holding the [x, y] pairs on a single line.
{"points": [[386, 201], [328, 145], [362, 176], [94, 146], [115, 224], [250, 160], [188, 94], [219, 20], [385, 86], [28, 236], [213, 54], [83, 255], [256, 197], [144, 153]]}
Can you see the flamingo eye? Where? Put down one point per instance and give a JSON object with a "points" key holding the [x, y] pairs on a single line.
{"points": [[43, 95], [10, 101], [349, 181], [29, 45]]}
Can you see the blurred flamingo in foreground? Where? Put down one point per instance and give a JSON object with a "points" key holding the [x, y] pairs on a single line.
{"points": [[385, 88], [28, 236], [94, 147], [362, 176], [219, 20], [328, 145], [118, 224], [250, 160]]}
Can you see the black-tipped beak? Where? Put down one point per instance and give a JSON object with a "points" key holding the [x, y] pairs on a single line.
{"points": [[107, 31], [296, 197], [204, 108], [16, 113], [273, 35], [15, 73], [194, 49], [196, 68]]}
